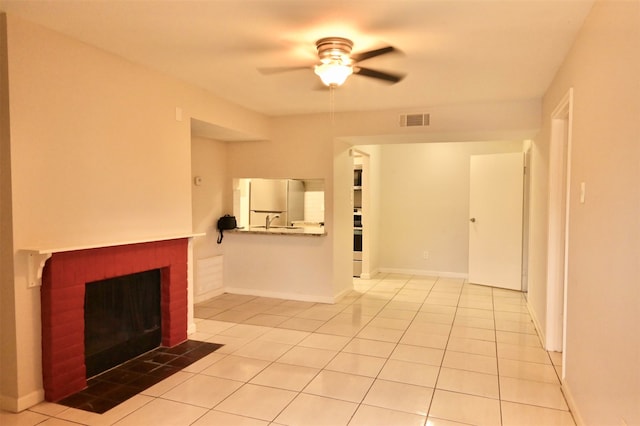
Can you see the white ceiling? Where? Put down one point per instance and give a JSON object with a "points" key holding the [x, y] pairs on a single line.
{"points": [[454, 51]]}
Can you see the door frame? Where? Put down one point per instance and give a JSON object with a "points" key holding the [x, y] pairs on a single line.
{"points": [[366, 211], [558, 223]]}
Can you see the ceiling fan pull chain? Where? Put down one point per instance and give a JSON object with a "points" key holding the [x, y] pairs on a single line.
{"points": [[332, 103]]}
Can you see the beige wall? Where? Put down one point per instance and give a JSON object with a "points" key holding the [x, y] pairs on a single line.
{"points": [[91, 167], [302, 268], [8, 337], [315, 146], [97, 157], [210, 198], [209, 202], [424, 205], [603, 306]]}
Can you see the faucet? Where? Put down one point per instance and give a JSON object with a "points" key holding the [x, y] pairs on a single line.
{"points": [[268, 220]]}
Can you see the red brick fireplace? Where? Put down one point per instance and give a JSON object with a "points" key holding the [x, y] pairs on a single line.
{"points": [[63, 290]]}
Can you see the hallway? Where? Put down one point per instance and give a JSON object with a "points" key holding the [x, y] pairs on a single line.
{"points": [[398, 350]]}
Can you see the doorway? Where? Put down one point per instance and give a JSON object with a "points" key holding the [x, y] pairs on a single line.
{"points": [[361, 210], [558, 232]]}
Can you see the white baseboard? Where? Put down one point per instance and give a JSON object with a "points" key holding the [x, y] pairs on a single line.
{"points": [[15, 405], [280, 295], [572, 404], [208, 295], [340, 295], [536, 324], [370, 275], [421, 272], [191, 328]]}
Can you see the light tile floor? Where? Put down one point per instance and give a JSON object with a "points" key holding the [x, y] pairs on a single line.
{"points": [[398, 350]]}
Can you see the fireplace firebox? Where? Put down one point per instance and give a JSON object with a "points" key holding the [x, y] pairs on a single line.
{"points": [[121, 319]]}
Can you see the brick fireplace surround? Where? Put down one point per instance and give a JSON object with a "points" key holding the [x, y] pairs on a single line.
{"points": [[63, 286]]}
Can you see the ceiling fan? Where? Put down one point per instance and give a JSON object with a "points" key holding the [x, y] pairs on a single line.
{"points": [[336, 63]]}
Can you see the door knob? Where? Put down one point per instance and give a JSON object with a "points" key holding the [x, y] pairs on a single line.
{"points": [[472, 220]]}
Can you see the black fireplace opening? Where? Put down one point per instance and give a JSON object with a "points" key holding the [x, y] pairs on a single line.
{"points": [[122, 319]]}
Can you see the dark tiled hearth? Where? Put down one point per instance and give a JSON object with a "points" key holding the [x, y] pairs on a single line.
{"points": [[115, 386]]}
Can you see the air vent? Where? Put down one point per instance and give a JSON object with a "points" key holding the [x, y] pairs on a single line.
{"points": [[414, 120]]}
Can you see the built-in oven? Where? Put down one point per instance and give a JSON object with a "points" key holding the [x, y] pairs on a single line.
{"points": [[357, 247], [357, 240], [357, 219], [357, 176]]}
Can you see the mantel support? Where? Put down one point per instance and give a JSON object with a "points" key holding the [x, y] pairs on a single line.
{"points": [[35, 265]]}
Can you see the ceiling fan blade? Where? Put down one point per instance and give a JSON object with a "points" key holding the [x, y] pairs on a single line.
{"points": [[276, 70], [368, 72], [358, 57]]}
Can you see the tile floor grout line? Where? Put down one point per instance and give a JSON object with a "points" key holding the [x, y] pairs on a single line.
{"points": [[376, 377], [495, 335], [413, 319], [320, 370], [386, 360], [435, 385], [244, 383]]}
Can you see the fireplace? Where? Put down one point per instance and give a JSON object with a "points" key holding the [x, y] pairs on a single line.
{"points": [[65, 279]]}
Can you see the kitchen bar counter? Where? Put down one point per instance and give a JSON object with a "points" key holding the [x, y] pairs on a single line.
{"points": [[315, 231]]}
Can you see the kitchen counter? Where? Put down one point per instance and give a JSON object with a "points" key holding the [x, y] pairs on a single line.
{"points": [[316, 231]]}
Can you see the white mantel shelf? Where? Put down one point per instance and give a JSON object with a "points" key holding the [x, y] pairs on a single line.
{"points": [[37, 257], [112, 244]]}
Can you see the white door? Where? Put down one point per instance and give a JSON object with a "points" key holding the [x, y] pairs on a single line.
{"points": [[495, 220]]}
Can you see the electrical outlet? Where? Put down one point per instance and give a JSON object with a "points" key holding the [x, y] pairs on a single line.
{"points": [[425, 255]]}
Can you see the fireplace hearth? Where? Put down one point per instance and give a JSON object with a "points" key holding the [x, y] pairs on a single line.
{"points": [[115, 386]]}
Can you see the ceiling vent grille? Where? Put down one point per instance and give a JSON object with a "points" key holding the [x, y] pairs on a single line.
{"points": [[414, 120]]}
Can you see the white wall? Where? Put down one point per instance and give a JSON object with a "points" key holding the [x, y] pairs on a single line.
{"points": [[424, 205], [602, 351]]}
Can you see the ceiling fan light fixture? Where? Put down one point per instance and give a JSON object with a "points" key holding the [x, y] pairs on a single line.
{"points": [[333, 73], [336, 63]]}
